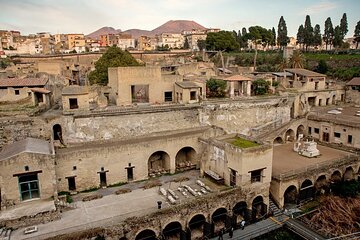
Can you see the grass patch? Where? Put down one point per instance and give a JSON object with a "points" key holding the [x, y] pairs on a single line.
{"points": [[90, 190], [116, 184], [243, 143]]}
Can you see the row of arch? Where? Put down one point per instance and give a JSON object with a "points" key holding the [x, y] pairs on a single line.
{"points": [[308, 189], [198, 227], [290, 135], [159, 162]]}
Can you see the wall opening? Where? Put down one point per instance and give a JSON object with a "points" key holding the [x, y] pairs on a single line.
{"points": [[278, 140], [219, 219], [290, 135], [306, 190], [300, 130], [158, 163], [71, 183], [335, 177], [29, 186], [349, 174], [320, 184], [73, 102], [186, 159], [57, 132], [240, 212], [196, 226], [172, 230], [146, 234], [140, 93], [258, 208]]}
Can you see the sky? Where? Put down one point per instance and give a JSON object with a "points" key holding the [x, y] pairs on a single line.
{"points": [[86, 16]]}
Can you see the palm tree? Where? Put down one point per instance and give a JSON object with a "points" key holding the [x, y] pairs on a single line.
{"points": [[281, 66], [297, 60]]}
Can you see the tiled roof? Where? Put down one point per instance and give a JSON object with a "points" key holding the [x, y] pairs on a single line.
{"points": [[187, 84], [75, 90], [22, 82], [304, 72], [31, 145], [354, 82], [40, 90], [237, 78]]}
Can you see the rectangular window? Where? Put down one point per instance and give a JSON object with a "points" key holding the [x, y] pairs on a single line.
{"points": [[73, 103], [350, 139], [193, 95], [316, 130], [168, 96], [17, 92], [309, 130], [337, 135], [29, 186], [256, 175]]}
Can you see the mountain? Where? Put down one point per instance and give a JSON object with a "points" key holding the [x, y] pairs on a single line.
{"points": [[177, 26], [172, 26], [103, 31]]}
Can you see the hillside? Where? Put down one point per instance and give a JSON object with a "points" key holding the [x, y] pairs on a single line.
{"points": [[172, 26]]}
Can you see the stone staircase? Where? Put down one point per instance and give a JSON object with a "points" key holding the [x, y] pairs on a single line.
{"points": [[5, 233], [273, 208]]}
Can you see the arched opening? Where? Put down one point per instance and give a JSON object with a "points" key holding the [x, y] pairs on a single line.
{"points": [[333, 99], [289, 135], [278, 140], [146, 234], [57, 132], [290, 196], [258, 208], [300, 130], [159, 163], [186, 159], [196, 226], [335, 177], [306, 190], [349, 174], [172, 230], [321, 185], [240, 212], [219, 219]]}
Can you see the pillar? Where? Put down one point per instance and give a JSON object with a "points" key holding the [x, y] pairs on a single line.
{"points": [[232, 88], [172, 165], [248, 88]]}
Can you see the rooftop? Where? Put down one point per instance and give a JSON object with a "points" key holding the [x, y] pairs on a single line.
{"points": [[237, 78], [30, 145], [285, 160], [75, 90], [282, 74], [354, 82], [346, 115], [304, 72], [22, 82], [187, 84]]}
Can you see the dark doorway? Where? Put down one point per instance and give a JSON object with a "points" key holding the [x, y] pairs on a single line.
{"points": [[219, 219], [290, 196], [232, 177], [71, 183], [326, 137], [103, 179], [258, 208], [196, 226], [130, 172], [306, 191], [172, 230], [57, 132], [73, 102], [311, 101], [146, 234]]}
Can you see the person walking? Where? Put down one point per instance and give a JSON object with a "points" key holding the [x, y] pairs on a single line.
{"points": [[242, 224], [221, 233], [231, 232]]}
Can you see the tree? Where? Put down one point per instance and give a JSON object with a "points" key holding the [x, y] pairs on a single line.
{"points": [[273, 39], [221, 41], [317, 36], [259, 35], [357, 34], [243, 31], [216, 87], [282, 38], [300, 35], [113, 57], [322, 67], [201, 44], [328, 32], [343, 26], [297, 60], [186, 43], [261, 86], [308, 33], [337, 42]]}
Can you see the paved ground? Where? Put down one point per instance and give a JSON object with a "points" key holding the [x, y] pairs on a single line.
{"points": [[285, 159], [111, 209], [27, 209]]}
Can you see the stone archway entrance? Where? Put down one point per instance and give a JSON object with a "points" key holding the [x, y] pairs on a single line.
{"points": [[306, 190], [349, 174], [158, 163], [196, 226], [300, 130], [321, 184], [258, 208], [289, 135], [172, 231], [290, 196], [146, 234], [335, 177], [186, 159], [57, 132], [278, 140], [240, 212], [219, 219]]}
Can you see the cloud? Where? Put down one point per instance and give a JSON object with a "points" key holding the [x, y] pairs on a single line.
{"points": [[323, 6]]}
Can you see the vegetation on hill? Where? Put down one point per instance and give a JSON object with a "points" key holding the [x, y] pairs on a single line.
{"points": [[113, 57]]}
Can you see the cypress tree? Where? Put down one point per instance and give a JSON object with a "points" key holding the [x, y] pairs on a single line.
{"points": [[328, 32], [343, 26], [317, 35], [300, 35], [357, 34], [308, 33], [282, 38]]}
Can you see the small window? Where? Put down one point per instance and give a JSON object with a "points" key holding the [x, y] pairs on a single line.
{"points": [[193, 95], [350, 139], [337, 135], [74, 167], [316, 130], [168, 96], [26, 168], [73, 103], [256, 175], [17, 92], [309, 130]]}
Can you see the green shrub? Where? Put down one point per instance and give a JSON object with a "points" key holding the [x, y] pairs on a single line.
{"points": [[261, 86], [216, 88]]}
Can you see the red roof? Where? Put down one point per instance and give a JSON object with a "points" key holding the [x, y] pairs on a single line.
{"points": [[354, 82], [22, 82]]}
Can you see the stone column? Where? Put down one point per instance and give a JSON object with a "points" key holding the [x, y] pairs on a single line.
{"points": [[172, 164], [248, 88], [232, 88]]}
